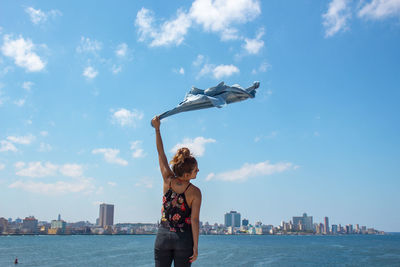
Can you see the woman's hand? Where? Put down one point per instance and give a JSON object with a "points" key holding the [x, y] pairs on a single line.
{"points": [[155, 122], [194, 256]]}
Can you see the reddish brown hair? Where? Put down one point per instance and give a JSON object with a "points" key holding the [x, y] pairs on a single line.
{"points": [[183, 162]]}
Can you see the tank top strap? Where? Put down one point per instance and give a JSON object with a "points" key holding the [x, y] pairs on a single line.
{"points": [[187, 188]]}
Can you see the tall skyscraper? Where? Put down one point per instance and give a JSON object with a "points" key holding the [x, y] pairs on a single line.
{"points": [[245, 222], [326, 225], [305, 221], [232, 219], [106, 216]]}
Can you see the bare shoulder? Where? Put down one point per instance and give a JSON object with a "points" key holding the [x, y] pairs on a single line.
{"points": [[195, 191]]}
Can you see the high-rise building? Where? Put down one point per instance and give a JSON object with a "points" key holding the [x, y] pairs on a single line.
{"points": [[106, 216], [232, 219], [245, 222], [350, 228], [334, 229], [3, 225], [303, 222], [30, 223], [326, 225]]}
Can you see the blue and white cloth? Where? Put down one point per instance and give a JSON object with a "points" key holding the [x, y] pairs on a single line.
{"points": [[217, 96]]}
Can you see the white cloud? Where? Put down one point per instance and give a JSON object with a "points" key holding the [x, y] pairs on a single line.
{"points": [[221, 15], [112, 183], [217, 16], [89, 46], [110, 155], [22, 51], [224, 71], [116, 69], [264, 66], [181, 71], [380, 9], [196, 146], [27, 86], [19, 164], [199, 60], [218, 71], [121, 50], [7, 146], [71, 170], [20, 102], [36, 169], [45, 147], [206, 69], [22, 140], [2, 166], [137, 151], [253, 46], [335, 19], [251, 170], [39, 169], [37, 16], [125, 117], [170, 32], [44, 133], [90, 72], [57, 188]]}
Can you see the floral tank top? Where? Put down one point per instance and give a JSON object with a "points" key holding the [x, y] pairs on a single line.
{"points": [[175, 211]]}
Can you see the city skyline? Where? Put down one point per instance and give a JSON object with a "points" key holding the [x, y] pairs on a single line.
{"points": [[231, 219], [233, 225], [81, 81]]}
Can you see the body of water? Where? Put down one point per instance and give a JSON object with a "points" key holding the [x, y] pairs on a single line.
{"points": [[137, 250]]}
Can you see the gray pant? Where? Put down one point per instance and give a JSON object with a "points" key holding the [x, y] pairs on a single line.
{"points": [[173, 246]]}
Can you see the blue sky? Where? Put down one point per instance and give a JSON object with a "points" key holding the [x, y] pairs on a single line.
{"points": [[80, 82]]}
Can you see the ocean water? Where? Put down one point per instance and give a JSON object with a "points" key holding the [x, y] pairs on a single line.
{"points": [[137, 250]]}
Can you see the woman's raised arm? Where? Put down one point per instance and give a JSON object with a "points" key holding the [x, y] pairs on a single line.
{"points": [[162, 159]]}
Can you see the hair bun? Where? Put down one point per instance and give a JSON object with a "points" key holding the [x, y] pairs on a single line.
{"points": [[183, 162], [180, 156], [185, 152]]}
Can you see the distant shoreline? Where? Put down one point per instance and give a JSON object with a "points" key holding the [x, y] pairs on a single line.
{"points": [[386, 233]]}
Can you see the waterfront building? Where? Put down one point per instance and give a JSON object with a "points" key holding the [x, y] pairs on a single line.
{"points": [[303, 222], [334, 229], [245, 222], [350, 229], [326, 225], [106, 216], [30, 224], [363, 229], [232, 219], [357, 228], [3, 225], [58, 226], [316, 228], [321, 228]]}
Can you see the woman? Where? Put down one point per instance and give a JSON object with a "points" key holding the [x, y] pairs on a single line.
{"points": [[178, 235]]}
